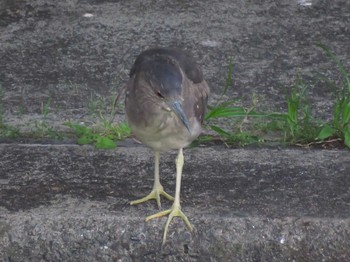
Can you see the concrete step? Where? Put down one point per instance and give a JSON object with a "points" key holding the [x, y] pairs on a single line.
{"points": [[71, 203]]}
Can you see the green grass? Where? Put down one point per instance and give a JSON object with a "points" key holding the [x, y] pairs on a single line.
{"points": [[105, 133], [41, 128], [103, 137], [299, 124], [236, 134], [102, 134], [5, 129], [295, 126], [102, 106], [340, 126], [1, 106]]}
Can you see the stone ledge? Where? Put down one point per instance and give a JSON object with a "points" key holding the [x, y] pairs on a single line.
{"points": [[70, 203]]}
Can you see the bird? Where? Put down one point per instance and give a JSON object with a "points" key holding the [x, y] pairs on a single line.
{"points": [[165, 103]]}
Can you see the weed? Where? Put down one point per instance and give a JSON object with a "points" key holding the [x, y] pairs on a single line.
{"points": [[41, 127], [340, 126], [227, 110], [96, 106], [105, 133], [8, 131], [296, 126], [1, 106], [203, 139], [228, 81], [299, 125], [5, 129], [102, 139], [118, 131], [101, 106]]}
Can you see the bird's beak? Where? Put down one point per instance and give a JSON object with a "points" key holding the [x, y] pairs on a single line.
{"points": [[176, 107]]}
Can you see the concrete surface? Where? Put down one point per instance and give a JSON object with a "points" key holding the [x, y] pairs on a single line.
{"points": [[71, 203], [69, 54], [63, 202]]}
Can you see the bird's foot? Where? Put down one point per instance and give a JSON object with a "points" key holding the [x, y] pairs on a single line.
{"points": [[174, 211], [155, 194]]}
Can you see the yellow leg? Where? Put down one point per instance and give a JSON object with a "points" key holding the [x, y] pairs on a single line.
{"points": [[175, 210], [157, 187]]}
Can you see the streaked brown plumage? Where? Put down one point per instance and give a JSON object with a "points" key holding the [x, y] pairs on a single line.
{"points": [[166, 99]]}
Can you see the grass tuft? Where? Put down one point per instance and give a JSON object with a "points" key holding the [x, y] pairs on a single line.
{"points": [[102, 138], [296, 126], [340, 125]]}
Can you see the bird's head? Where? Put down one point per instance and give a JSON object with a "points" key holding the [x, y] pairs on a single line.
{"points": [[165, 80]]}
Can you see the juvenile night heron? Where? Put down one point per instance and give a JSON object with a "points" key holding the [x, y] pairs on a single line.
{"points": [[166, 99]]}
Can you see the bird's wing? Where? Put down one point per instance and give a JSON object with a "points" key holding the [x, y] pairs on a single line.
{"points": [[201, 93]]}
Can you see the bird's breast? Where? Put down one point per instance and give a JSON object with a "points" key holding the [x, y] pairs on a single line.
{"points": [[163, 130]]}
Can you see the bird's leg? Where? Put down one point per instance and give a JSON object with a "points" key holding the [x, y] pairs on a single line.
{"points": [[175, 210], [157, 187]]}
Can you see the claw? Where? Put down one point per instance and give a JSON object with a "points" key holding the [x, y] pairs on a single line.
{"points": [[155, 194], [175, 211]]}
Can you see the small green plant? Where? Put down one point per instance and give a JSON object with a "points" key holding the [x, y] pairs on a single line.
{"points": [[228, 82], [5, 129], [87, 136], [340, 126], [102, 139], [41, 127], [1, 106], [203, 139], [101, 106], [104, 134], [297, 125], [8, 131], [96, 105], [227, 110], [300, 127]]}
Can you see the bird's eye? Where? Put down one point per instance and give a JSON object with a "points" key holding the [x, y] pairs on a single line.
{"points": [[159, 94]]}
